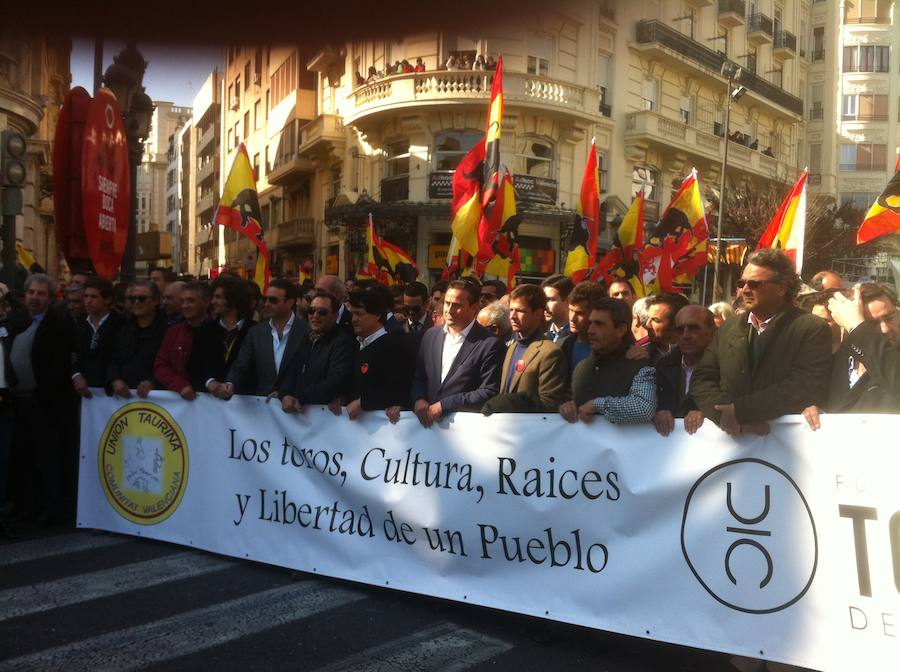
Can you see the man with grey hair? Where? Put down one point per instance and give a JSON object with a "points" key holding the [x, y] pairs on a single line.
{"points": [[44, 435], [331, 284], [495, 317], [774, 362]]}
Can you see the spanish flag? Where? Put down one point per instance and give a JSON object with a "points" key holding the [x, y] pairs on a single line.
{"points": [[239, 210], [506, 260], [582, 254], [787, 229], [385, 260], [622, 262], [491, 209], [682, 229], [884, 215], [465, 209]]}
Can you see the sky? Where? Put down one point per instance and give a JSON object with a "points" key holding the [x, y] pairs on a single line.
{"points": [[175, 73]]}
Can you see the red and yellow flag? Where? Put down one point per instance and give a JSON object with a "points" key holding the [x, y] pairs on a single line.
{"points": [[582, 254], [623, 261], [239, 210], [683, 231], [384, 258], [506, 260], [884, 215], [465, 209], [787, 229], [491, 220]]}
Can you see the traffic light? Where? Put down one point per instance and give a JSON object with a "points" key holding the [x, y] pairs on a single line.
{"points": [[12, 155]]}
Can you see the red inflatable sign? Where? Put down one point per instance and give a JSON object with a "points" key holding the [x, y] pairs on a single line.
{"points": [[68, 144], [105, 184]]}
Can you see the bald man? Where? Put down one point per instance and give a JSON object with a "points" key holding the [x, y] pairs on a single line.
{"points": [[826, 280], [694, 329]]}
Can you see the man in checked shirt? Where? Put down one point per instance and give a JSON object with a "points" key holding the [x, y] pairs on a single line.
{"points": [[606, 383]]}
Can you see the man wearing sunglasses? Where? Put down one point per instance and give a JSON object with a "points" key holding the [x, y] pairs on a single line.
{"points": [[694, 330], [138, 341], [773, 361], [269, 350], [323, 367]]}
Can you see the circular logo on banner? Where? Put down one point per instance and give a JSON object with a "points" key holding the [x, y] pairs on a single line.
{"points": [[749, 537], [143, 460], [105, 184]]}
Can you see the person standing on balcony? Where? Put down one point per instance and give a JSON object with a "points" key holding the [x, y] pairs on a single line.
{"points": [[420, 65]]}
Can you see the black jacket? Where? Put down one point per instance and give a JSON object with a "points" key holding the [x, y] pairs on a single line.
{"points": [[210, 356], [253, 372], [134, 352], [93, 355], [383, 373], [323, 368], [878, 389], [51, 360], [670, 379]]}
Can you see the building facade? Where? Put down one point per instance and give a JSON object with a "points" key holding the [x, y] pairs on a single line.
{"points": [[34, 79], [335, 135], [853, 94]]}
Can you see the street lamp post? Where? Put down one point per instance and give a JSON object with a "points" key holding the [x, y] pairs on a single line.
{"points": [[732, 72], [124, 78]]}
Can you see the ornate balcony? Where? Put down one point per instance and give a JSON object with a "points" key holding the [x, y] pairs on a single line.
{"points": [[449, 87], [321, 136]]}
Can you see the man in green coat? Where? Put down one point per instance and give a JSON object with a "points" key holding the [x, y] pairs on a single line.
{"points": [[773, 361]]}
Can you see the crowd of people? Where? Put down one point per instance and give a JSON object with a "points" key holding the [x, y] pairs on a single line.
{"points": [[454, 62], [582, 351]]}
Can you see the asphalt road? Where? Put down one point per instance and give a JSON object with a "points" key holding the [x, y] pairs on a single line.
{"points": [[72, 600]]}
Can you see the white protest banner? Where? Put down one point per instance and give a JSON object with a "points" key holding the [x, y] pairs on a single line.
{"points": [[785, 547]]}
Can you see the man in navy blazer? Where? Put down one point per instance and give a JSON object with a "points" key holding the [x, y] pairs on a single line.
{"points": [[458, 365]]}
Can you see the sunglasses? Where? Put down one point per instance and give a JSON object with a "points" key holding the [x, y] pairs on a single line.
{"points": [[321, 312], [271, 299], [751, 284], [137, 299]]}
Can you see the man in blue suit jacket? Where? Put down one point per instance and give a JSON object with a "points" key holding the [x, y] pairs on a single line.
{"points": [[458, 365]]}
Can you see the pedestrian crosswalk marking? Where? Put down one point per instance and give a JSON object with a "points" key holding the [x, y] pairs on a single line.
{"points": [[444, 646], [25, 600], [189, 632], [37, 549]]}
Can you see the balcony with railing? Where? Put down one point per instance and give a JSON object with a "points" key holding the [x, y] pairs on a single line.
{"points": [[656, 36], [816, 113], [322, 135], [395, 188], [206, 170], [287, 163], [732, 13], [874, 20], [456, 87], [206, 202], [206, 137], [295, 231], [785, 45], [865, 116], [817, 55], [760, 29], [652, 129]]}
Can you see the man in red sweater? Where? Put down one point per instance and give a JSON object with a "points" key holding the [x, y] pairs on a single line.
{"points": [[172, 366]]}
